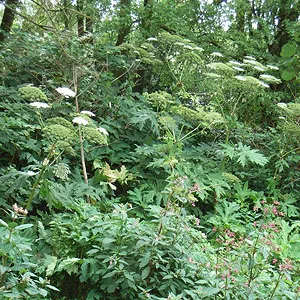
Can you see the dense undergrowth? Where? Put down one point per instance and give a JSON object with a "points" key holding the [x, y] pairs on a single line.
{"points": [[187, 190]]}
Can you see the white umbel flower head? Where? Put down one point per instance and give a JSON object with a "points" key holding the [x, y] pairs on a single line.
{"points": [[282, 105], [272, 67], [217, 54], [238, 69], [152, 39], [66, 92], [103, 130], [250, 57], [239, 77], [39, 104], [80, 121], [264, 84], [188, 47], [87, 112]]}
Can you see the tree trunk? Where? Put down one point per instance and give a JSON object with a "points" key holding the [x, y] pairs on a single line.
{"points": [[147, 18], [125, 18], [8, 18], [66, 17], [80, 18]]}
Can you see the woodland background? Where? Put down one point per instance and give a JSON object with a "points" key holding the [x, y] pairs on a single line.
{"points": [[149, 149]]}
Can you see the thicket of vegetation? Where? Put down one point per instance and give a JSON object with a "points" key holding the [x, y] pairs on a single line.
{"points": [[149, 149]]}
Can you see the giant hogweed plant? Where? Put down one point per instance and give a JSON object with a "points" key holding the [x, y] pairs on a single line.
{"points": [[60, 138]]}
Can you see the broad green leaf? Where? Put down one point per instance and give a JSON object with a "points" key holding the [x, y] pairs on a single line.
{"points": [[288, 75], [108, 240], [110, 274], [288, 50], [146, 272]]}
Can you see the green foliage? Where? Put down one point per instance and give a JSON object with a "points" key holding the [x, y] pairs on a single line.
{"points": [[206, 119], [243, 154], [183, 180], [290, 52], [18, 262], [32, 94]]}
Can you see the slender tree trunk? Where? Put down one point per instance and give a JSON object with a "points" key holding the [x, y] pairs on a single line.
{"points": [[66, 17], [147, 18], [125, 18], [8, 18], [80, 18]]}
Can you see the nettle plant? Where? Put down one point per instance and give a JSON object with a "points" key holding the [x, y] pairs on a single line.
{"points": [[18, 276]]}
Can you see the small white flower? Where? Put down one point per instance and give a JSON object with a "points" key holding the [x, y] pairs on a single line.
{"points": [[103, 130], [281, 105], [39, 104], [188, 47], [272, 67], [218, 54], [264, 84], [198, 48], [150, 39], [250, 57], [178, 44], [66, 92], [269, 78], [242, 78], [259, 68], [238, 69], [87, 112], [237, 63], [80, 121]]}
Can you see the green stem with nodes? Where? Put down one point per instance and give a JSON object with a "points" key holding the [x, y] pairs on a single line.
{"points": [[82, 156], [36, 183], [276, 286], [252, 254], [75, 76]]}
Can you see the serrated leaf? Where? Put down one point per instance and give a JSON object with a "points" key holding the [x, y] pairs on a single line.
{"points": [[50, 262], [69, 265], [245, 153], [23, 226]]}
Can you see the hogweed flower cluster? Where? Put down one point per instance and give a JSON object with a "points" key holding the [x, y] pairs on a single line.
{"points": [[66, 92], [39, 105]]}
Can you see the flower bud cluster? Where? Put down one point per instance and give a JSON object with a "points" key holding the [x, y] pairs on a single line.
{"points": [[19, 210]]}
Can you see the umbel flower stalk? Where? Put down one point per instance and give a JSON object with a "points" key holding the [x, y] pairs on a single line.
{"points": [[79, 125]]}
